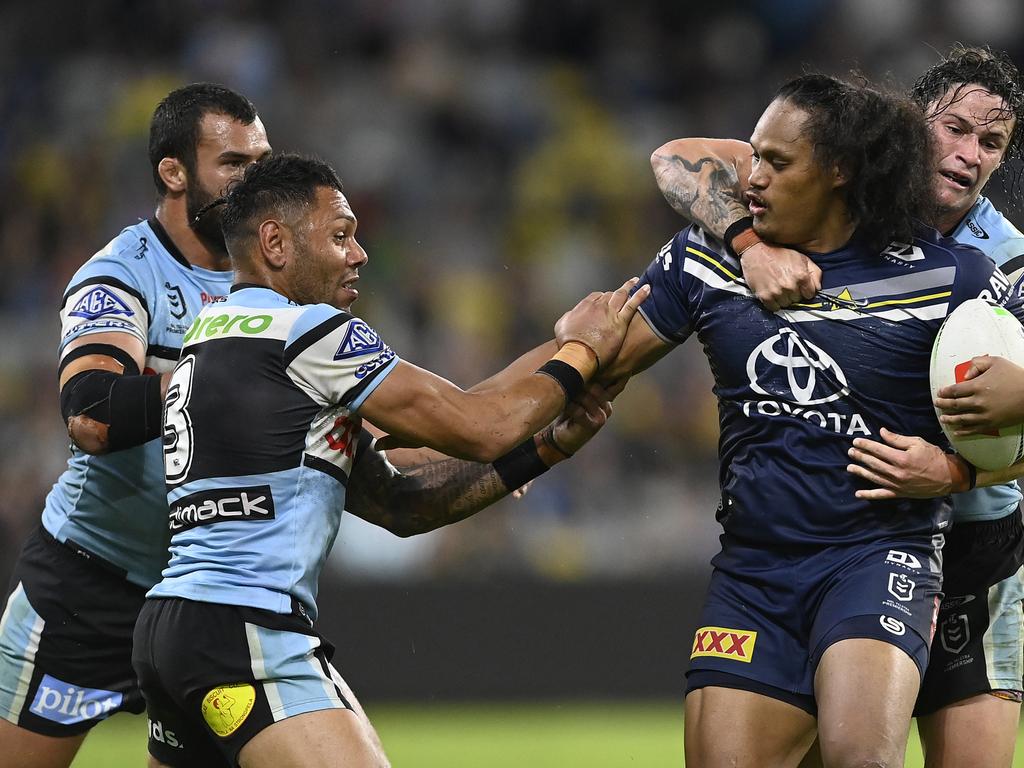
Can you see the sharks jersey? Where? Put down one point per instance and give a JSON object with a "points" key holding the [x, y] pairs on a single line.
{"points": [[261, 434], [990, 232], [114, 505], [795, 387]]}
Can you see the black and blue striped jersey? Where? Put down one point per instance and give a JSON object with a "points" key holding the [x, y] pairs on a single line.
{"points": [[796, 386], [260, 436]]}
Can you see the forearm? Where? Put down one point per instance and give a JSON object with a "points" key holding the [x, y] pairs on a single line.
{"points": [[700, 179], [435, 493], [987, 477]]}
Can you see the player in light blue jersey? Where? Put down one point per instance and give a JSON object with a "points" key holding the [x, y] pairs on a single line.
{"points": [[66, 632], [972, 690], [264, 448]]}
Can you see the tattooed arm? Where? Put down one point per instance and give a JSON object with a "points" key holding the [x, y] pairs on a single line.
{"points": [[438, 490], [704, 180]]}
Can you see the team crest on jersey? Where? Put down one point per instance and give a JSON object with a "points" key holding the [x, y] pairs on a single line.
{"points": [[360, 339], [98, 302]]}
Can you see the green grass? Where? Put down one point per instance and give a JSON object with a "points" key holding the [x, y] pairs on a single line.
{"points": [[610, 735]]}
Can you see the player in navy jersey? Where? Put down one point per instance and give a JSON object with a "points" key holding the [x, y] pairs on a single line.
{"points": [[821, 604], [81, 578], [972, 690], [227, 656]]}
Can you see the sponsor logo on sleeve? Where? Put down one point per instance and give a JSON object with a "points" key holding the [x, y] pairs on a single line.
{"points": [[226, 708], [100, 302], [360, 339], [221, 505], [66, 703], [724, 643]]}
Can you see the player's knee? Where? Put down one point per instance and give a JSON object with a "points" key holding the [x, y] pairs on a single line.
{"points": [[154, 763]]}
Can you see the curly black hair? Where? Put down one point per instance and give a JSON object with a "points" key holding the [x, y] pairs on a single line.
{"points": [[279, 184], [996, 73], [881, 145]]}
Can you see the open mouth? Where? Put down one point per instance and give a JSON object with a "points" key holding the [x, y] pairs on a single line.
{"points": [[959, 179], [756, 205]]}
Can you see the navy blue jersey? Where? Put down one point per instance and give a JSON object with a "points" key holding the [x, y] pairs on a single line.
{"points": [[795, 387]]}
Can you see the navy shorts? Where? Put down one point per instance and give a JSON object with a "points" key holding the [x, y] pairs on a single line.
{"points": [[66, 639], [769, 616]]}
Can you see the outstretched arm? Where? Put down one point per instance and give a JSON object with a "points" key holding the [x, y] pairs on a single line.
{"points": [[440, 490], [704, 181], [419, 408]]}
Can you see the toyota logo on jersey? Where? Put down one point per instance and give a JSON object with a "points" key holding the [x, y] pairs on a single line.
{"points": [[793, 369]]}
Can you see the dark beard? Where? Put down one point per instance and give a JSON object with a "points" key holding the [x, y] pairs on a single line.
{"points": [[207, 228]]}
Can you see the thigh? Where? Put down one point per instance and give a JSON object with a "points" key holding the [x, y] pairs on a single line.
{"points": [[334, 738], [865, 690], [24, 749], [740, 729], [952, 735], [65, 642]]}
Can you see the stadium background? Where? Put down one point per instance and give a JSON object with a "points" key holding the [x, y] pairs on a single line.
{"points": [[496, 153]]}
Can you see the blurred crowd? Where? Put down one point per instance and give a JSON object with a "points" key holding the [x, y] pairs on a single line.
{"points": [[496, 154]]}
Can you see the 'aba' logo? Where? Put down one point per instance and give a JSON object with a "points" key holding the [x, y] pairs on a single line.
{"points": [[98, 302], [360, 339], [793, 369]]}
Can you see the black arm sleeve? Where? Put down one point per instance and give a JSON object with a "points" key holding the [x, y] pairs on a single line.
{"points": [[130, 406]]}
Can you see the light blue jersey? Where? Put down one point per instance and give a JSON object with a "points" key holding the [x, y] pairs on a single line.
{"points": [[990, 232], [261, 435], [115, 505]]}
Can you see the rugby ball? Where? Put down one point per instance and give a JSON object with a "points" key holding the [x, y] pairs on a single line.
{"points": [[978, 328]]}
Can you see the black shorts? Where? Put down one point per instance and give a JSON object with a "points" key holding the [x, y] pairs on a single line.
{"points": [[66, 640], [978, 645], [216, 675]]}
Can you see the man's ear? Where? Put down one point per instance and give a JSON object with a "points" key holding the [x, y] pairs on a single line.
{"points": [[173, 174], [275, 243], [839, 176]]}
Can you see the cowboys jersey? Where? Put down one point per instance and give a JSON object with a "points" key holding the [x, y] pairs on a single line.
{"points": [[795, 387], [261, 434], [991, 233], [114, 505]]}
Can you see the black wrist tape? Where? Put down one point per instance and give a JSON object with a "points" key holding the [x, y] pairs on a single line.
{"points": [[520, 465], [568, 377], [130, 406], [735, 229]]}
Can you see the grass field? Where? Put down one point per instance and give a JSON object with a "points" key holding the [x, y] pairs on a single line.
{"points": [[488, 736]]}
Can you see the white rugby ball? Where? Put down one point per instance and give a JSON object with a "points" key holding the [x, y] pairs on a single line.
{"points": [[978, 328]]}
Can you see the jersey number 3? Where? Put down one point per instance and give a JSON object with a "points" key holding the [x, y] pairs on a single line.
{"points": [[177, 423]]}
